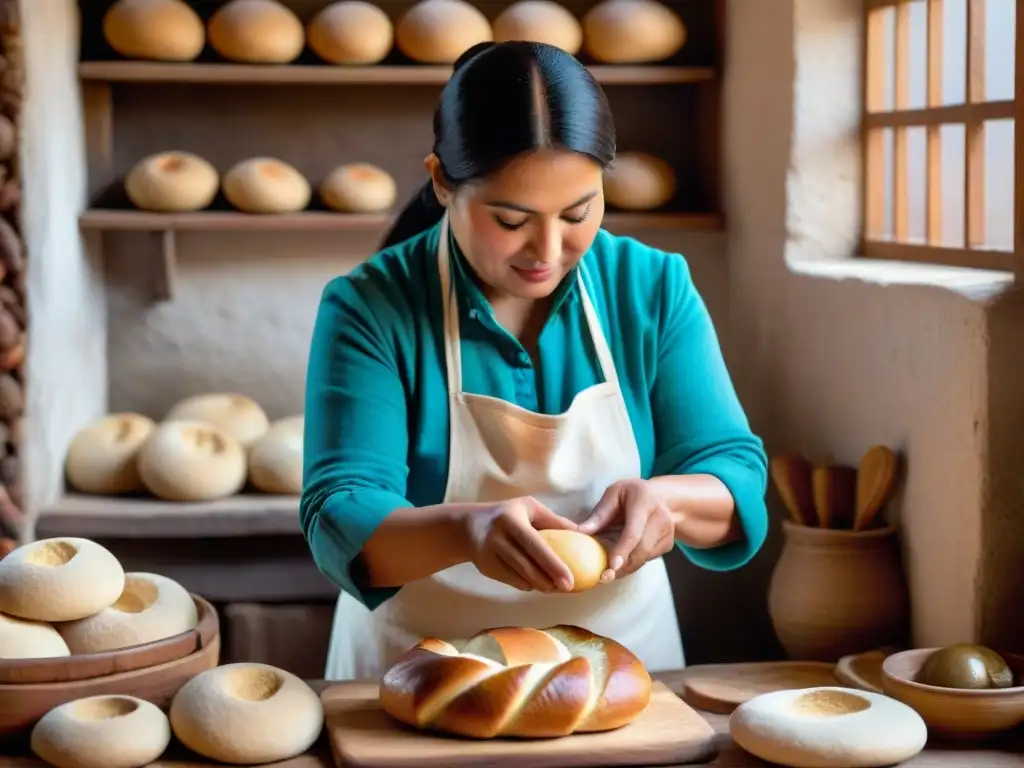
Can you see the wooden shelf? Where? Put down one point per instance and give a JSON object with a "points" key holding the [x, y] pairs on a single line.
{"points": [[147, 518], [296, 74]]}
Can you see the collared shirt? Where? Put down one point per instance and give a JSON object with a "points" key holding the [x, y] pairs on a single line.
{"points": [[376, 413]]}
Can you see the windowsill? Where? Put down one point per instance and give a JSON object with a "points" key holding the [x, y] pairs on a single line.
{"points": [[975, 284]]}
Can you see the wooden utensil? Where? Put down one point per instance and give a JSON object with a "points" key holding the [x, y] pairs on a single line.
{"points": [[876, 478], [362, 735], [862, 670], [791, 474], [720, 688], [835, 495]]}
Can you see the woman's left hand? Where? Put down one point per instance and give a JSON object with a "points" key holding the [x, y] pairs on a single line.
{"points": [[634, 525]]}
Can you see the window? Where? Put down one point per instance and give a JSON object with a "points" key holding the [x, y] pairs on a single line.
{"points": [[940, 147]]}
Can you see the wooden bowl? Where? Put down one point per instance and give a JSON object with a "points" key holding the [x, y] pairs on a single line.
{"points": [[953, 713], [22, 704], [89, 665]]}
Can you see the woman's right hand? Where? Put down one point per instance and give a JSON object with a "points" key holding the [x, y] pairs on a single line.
{"points": [[505, 545]]}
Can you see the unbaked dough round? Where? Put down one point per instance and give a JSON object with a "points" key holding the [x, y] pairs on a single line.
{"points": [[241, 417], [247, 713], [351, 32], [275, 461], [539, 21], [632, 32], [101, 458], [358, 188], [159, 30], [256, 32], [170, 182], [439, 31], [266, 185], [638, 181], [192, 461], [59, 579], [584, 555], [828, 728], [102, 732], [25, 639], [151, 607]]}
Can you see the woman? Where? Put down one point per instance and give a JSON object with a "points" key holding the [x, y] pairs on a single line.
{"points": [[505, 366]]}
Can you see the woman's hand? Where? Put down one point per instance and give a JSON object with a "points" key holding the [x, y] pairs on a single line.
{"points": [[505, 546], [633, 523]]}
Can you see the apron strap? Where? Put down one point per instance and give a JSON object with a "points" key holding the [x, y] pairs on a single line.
{"points": [[604, 354]]}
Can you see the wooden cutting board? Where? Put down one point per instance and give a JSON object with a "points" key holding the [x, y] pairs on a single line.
{"points": [[720, 688], [362, 735]]}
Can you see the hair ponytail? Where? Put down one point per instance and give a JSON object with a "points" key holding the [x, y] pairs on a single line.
{"points": [[419, 215]]}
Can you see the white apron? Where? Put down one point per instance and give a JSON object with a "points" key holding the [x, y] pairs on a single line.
{"points": [[500, 451]]}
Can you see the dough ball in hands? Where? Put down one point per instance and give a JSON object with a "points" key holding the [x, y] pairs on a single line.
{"points": [[439, 31], [101, 458], [358, 188], [25, 639], [351, 32], [59, 579], [275, 461], [159, 30], [584, 555], [192, 461], [266, 185], [151, 607], [632, 32], [256, 32], [172, 182], [638, 181], [102, 732], [240, 417], [539, 21], [247, 714]]}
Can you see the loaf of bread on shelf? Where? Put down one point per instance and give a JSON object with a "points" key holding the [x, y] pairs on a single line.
{"points": [[275, 460], [530, 683], [439, 31], [358, 188], [158, 30], [256, 32], [351, 32], [266, 185], [241, 417], [172, 182], [192, 461], [539, 21], [102, 455], [638, 181], [632, 32]]}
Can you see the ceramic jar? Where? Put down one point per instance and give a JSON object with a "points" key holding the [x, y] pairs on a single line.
{"points": [[836, 592]]}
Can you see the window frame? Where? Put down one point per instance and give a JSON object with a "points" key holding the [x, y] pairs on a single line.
{"points": [[973, 113]]}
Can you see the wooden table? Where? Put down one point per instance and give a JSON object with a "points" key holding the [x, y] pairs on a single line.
{"points": [[1009, 755]]}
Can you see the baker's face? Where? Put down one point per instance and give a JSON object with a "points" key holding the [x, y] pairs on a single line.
{"points": [[529, 224]]}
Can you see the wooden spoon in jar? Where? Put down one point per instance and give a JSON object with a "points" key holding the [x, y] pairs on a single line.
{"points": [[791, 474], [876, 478], [835, 495]]}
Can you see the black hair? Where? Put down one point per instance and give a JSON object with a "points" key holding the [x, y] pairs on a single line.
{"points": [[504, 99]]}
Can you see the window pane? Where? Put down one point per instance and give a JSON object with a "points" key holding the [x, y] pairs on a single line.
{"points": [[888, 163], [998, 138], [917, 60], [880, 64], [917, 182], [954, 51], [1000, 33], [953, 177]]}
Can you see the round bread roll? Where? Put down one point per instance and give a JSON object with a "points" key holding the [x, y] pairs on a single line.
{"points": [[247, 713], [151, 607], [239, 416], [275, 461], [102, 456], [539, 21], [256, 32], [351, 32], [584, 555], [266, 185], [839, 727], [632, 32], [170, 182], [439, 31], [102, 732], [192, 461], [638, 181], [158, 30], [358, 188], [60, 579], [24, 639]]}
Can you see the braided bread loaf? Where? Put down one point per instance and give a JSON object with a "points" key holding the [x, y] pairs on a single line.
{"points": [[531, 683]]}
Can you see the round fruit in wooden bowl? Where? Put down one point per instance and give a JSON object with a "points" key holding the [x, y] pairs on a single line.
{"points": [[962, 692]]}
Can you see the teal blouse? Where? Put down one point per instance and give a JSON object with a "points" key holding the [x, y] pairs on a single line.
{"points": [[376, 413]]}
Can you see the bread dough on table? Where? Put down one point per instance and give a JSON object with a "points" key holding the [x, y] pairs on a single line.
{"points": [[351, 32], [26, 639], [101, 458], [59, 579], [256, 32], [241, 417], [247, 713], [172, 182], [159, 30], [540, 21], [192, 461], [275, 461], [632, 32], [266, 185], [828, 727], [102, 732], [439, 31], [151, 607]]}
